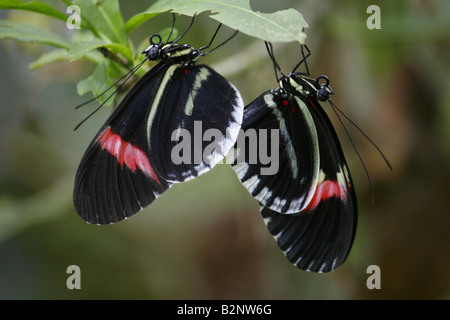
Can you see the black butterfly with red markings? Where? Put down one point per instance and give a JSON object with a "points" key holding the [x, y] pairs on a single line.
{"points": [[309, 204], [129, 163]]}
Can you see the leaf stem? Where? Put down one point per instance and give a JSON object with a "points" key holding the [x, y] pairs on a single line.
{"points": [[108, 54]]}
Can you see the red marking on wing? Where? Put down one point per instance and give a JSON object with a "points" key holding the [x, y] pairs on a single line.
{"points": [[126, 153], [312, 103], [325, 190]]}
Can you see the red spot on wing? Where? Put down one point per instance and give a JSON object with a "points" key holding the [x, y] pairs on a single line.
{"points": [[285, 102], [325, 190], [185, 71], [126, 153]]}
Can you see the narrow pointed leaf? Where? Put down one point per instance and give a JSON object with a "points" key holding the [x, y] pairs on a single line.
{"points": [[29, 33]]}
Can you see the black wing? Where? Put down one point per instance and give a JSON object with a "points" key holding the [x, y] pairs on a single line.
{"points": [[115, 178], [133, 158], [196, 122], [318, 236], [293, 148]]}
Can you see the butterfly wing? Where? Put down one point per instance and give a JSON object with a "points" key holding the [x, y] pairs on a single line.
{"points": [[293, 146], [313, 179], [133, 158], [196, 123], [116, 178]]}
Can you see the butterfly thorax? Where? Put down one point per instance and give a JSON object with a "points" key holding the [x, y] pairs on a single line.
{"points": [[184, 54], [295, 84]]}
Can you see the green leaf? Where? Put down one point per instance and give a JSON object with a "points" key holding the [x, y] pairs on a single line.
{"points": [[50, 57], [137, 20], [59, 55], [281, 26], [79, 49], [34, 6], [97, 83], [29, 33], [104, 19]]}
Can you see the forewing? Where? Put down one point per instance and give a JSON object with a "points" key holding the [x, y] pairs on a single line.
{"points": [[116, 178], [196, 122], [292, 145]]}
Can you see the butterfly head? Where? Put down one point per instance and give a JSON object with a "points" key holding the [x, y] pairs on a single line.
{"points": [[323, 90], [155, 49]]}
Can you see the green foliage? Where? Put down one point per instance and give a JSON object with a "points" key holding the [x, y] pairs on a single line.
{"points": [[98, 82], [34, 6], [28, 33], [281, 26], [103, 29], [205, 239]]}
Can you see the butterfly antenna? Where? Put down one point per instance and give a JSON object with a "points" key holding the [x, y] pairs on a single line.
{"points": [[173, 26], [334, 107], [362, 132], [185, 31], [218, 46], [212, 39], [127, 76]]}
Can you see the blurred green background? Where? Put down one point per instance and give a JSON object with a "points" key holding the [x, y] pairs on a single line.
{"points": [[205, 238]]}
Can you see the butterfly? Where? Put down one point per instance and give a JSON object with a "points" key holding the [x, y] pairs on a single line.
{"points": [[309, 204], [135, 156]]}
